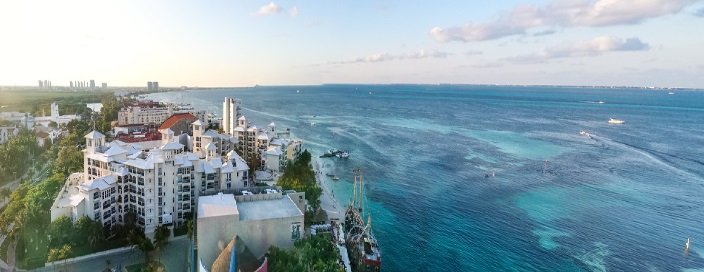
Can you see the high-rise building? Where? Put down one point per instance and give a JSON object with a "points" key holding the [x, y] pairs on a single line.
{"points": [[41, 84], [155, 86], [71, 84], [104, 86], [150, 85], [92, 85], [231, 112]]}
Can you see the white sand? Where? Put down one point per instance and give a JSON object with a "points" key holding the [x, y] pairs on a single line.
{"points": [[327, 202]]}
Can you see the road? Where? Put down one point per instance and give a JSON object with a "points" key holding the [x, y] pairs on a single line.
{"points": [[175, 258]]}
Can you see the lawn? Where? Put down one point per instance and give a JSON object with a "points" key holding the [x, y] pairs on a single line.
{"points": [[36, 244]]}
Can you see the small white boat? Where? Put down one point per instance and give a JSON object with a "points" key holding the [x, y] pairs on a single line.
{"points": [[370, 92], [671, 93], [298, 91], [616, 121], [344, 155], [686, 246], [335, 178], [312, 124]]}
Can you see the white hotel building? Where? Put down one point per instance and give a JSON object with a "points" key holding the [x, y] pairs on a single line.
{"points": [[161, 184], [161, 181]]}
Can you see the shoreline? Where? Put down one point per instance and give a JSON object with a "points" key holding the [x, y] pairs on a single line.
{"points": [[327, 202]]}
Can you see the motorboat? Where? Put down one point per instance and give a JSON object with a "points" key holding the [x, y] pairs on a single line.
{"points": [[615, 121]]}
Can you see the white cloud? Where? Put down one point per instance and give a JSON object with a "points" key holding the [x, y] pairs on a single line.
{"points": [[593, 47], [293, 11], [379, 57], [562, 13], [270, 9], [699, 12], [545, 32], [488, 65], [473, 52]]}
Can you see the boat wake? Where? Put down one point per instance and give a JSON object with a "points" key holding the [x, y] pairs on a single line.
{"points": [[658, 157], [272, 115]]}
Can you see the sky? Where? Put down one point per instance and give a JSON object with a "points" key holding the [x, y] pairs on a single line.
{"points": [[243, 43]]}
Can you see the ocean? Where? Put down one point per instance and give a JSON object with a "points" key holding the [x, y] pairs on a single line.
{"points": [[623, 198]]}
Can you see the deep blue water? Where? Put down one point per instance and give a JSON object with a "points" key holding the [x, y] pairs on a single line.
{"points": [[624, 200]]}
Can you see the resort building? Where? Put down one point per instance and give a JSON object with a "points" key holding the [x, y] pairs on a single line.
{"points": [[142, 115], [260, 220], [160, 184]]}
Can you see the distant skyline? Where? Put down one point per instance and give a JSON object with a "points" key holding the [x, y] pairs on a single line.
{"points": [[243, 43]]}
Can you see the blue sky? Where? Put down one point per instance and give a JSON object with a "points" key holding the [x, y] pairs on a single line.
{"points": [[242, 43]]}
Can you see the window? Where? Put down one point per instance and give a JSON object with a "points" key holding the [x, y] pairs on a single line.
{"points": [[96, 195]]}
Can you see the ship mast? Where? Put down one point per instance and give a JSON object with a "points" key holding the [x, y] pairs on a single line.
{"points": [[354, 198], [361, 190]]}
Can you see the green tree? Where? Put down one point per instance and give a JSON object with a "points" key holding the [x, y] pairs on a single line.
{"points": [[189, 226], [161, 239], [69, 160], [57, 254], [95, 234], [299, 176], [138, 240], [60, 231]]}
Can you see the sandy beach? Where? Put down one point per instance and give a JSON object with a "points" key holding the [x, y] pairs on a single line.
{"points": [[327, 202]]}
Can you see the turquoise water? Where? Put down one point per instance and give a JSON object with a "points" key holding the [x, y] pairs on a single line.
{"points": [[625, 199]]}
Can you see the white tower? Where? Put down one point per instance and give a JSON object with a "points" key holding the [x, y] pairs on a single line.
{"points": [[226, 115], [198, 130], [271, 130], [94, 141], [167, 135], [54, 111]]}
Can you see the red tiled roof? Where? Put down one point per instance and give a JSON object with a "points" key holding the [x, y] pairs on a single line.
{"points": [[175, 118]]}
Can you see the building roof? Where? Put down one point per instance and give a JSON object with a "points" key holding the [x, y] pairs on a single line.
{"points": [[94, 135], [242, 118], [175, 118], [268, 209], [272, 124], [101, 183], [217, 205], [114, 150], [197, 122], [210, 146], [274, 151], [171, 146], [227, 167], [262, 136]]}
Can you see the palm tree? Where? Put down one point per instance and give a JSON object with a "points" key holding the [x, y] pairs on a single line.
{"points": [[95, 234], [161, 239]]}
